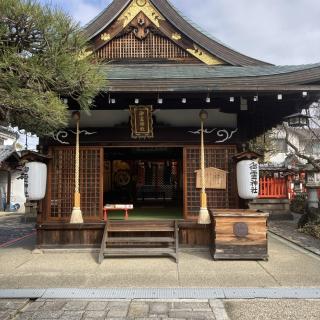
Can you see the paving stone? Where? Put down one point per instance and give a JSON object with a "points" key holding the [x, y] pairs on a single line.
{"points": [[138, 309], [53, 305], [47, 314], [4, 315], [191, 314], [75, 305], [119, 304], [16, 304], [176, 318], [151, 318], [72, 315], [3, 305], [219, 310], [95, 314], [117, 313], [33, 306], [24, 316], [192, 306], [9, 314], [97, 305], [159, 308]]}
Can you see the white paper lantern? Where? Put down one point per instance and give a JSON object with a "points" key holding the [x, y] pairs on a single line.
{"points": [[35, 180], [248, 179]]}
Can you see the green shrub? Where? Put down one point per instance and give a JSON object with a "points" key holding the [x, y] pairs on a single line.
{"points": [[298, 204], [312, 229], [311, 215]]}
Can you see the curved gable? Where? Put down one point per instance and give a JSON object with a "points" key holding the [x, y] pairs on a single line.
{"points": [[163, 19]]}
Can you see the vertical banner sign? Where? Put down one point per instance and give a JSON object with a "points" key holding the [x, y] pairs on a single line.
{"points": [[141, 122], [254, 177]]}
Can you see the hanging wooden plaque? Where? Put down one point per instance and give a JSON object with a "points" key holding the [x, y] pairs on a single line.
{"points": [[141, 122], [215, 178]]}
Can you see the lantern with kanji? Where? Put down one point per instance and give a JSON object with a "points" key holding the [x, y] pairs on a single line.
{"points": [[248, 175], [35, 180]]}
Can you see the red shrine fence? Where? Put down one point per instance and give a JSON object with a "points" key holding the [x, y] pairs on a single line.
{"points": [[273, 188]]}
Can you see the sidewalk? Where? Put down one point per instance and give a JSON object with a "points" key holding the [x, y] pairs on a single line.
{"points": [[288, 230], [287, 267]]}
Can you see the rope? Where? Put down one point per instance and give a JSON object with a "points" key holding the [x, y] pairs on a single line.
{"points": [[77, 164]]}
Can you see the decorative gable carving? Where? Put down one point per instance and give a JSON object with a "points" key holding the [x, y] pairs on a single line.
{"points": [[137, 6], [156, 38], [141, 26], [152, 47]]}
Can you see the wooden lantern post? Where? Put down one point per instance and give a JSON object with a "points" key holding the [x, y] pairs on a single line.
{"points": [[76, 215], [204, 217]]}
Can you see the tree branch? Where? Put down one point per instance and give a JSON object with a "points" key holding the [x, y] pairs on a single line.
{"points": [[298, 153]]}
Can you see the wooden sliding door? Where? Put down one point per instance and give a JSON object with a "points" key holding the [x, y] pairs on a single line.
{"points": [[61, 182]]}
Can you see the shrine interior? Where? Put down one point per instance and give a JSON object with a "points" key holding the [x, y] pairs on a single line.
{"points": [[149, 178]]}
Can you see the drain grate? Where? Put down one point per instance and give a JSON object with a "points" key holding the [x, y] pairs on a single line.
{"points": [[163, 293]]}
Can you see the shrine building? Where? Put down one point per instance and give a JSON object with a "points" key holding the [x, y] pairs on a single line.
{"points": [[140, 144]]}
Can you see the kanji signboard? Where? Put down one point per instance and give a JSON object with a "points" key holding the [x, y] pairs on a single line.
{"points": [[141, 122]]}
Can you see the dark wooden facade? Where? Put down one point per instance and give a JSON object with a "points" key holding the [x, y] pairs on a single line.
{"points": [[151, 52]]}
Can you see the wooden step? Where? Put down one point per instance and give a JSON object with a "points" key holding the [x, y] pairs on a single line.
{"points": [[140, 239], [132, 245], [138, 251], [141, 226], [139, 229]]}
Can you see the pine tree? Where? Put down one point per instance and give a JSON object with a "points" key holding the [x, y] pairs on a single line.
{"points": [[44, 58]]}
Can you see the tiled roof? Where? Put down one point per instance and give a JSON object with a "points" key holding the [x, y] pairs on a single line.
{"points": [[7, 133], [183, 71], [6, 152], [197, 77]]}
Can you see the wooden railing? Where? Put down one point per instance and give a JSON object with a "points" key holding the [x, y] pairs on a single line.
{"points": [[275, 188]]}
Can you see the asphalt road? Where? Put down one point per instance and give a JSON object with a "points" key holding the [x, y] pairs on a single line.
{"points": [[12, 228]]}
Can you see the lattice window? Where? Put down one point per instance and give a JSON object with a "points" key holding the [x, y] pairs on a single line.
{"points": [[216, 156], [61, 180], [160, 176], [152, 47]]}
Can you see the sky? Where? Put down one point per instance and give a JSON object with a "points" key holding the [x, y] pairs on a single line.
{"points": [[277, 31]]}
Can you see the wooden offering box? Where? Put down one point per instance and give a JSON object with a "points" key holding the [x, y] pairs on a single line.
{"points": [[239, 234]]}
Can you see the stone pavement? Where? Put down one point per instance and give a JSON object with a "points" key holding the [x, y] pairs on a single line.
{"points": [[104, 309], [12, 228], [288, 229], [262, 309]]}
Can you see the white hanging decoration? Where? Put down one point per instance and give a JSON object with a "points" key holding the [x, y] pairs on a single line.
{"points": [[248, 179], [35, 180]]}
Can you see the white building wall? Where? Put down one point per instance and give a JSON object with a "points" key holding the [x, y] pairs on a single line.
{"points": [[17, 189]]}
